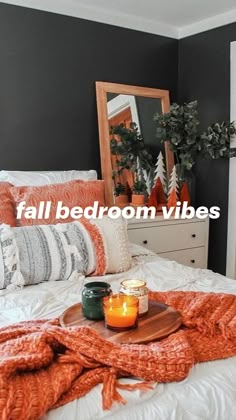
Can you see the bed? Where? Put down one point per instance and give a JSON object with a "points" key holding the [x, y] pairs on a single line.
{"points": [[209, 392]]}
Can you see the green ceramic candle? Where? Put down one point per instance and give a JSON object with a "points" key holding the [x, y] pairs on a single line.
{"points": [[92, 299]]}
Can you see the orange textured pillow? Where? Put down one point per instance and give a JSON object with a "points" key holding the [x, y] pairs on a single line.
{"points": [[7, 212], [72, 194]]}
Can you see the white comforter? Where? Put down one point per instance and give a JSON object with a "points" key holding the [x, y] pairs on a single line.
{"points": [[209, 392]]}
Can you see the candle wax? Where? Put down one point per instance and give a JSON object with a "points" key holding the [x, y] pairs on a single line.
{"points": [[123, 316]]}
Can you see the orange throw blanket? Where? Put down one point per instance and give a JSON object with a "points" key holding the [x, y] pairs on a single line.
{"points": [[42, 366]]}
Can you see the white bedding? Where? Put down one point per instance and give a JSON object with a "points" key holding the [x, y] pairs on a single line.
{"points": [[209, 392]]}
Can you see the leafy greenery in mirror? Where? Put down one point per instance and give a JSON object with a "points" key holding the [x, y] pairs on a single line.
{"points": [[180, 127], [139, 187], [119, 189], [128, 146]]}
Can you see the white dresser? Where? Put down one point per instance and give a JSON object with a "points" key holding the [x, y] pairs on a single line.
{"points": [[184, 241]]}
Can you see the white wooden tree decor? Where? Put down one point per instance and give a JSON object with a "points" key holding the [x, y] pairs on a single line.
{"points": [[160, 171], [173, 182]]}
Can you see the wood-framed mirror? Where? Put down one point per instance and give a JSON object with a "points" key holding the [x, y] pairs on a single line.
{"points": [[126, 104]]}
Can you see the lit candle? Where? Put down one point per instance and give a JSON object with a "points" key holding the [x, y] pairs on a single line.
{"points": [[120, 311], [137, 288]]}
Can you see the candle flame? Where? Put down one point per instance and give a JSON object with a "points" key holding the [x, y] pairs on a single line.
{"points": [[124, 308]]}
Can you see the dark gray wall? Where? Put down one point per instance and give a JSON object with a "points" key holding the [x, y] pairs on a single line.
{"points": [[49, 65], [204, 74]]}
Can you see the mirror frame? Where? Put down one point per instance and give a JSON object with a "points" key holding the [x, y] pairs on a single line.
{"points": [[102, 88]]}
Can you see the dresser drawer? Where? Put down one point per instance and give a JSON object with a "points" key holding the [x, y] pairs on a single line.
{"points": [[194, 257], [165, 238]]}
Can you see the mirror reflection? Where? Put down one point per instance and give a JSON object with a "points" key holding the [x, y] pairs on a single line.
{"points": [[124, 109], [131, 116]]}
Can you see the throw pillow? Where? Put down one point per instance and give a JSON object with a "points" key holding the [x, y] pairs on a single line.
{"points": [[71, 194], [33, 254], [116, 244], [7, 212]]}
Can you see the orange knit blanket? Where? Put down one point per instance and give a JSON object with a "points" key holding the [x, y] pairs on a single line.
{"points": [[42, 366]]}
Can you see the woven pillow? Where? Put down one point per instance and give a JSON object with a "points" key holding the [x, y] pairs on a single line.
{"points": [[72, 194], [116, 244], [32, 254], [7, 212]]}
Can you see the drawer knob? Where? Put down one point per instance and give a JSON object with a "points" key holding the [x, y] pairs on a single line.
{"points": [[194, 235], [145, 242], [192, 261]]}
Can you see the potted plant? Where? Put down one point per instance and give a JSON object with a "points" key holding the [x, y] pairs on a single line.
{"points": [[180, 127], [139, 191], [121, 195]]}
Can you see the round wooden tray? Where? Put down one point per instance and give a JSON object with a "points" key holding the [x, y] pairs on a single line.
{"points": [[160, 321]]}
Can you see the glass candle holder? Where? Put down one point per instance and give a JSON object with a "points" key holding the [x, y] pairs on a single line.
{"points": [[92, 295], [137, 288], [121, 312]]}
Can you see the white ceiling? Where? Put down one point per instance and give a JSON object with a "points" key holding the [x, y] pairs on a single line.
{"points": [[174, 18]]}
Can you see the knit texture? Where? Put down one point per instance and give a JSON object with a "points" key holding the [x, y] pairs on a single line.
{"points": [[42, 366]]}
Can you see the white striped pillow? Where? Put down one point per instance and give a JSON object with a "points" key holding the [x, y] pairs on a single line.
{"points": [[32, 254]]}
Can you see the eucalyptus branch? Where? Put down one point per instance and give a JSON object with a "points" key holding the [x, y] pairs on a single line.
{"points": [[181, 127]]}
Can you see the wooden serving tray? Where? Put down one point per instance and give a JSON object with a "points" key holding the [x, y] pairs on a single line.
{"points": [[160, 321]]}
